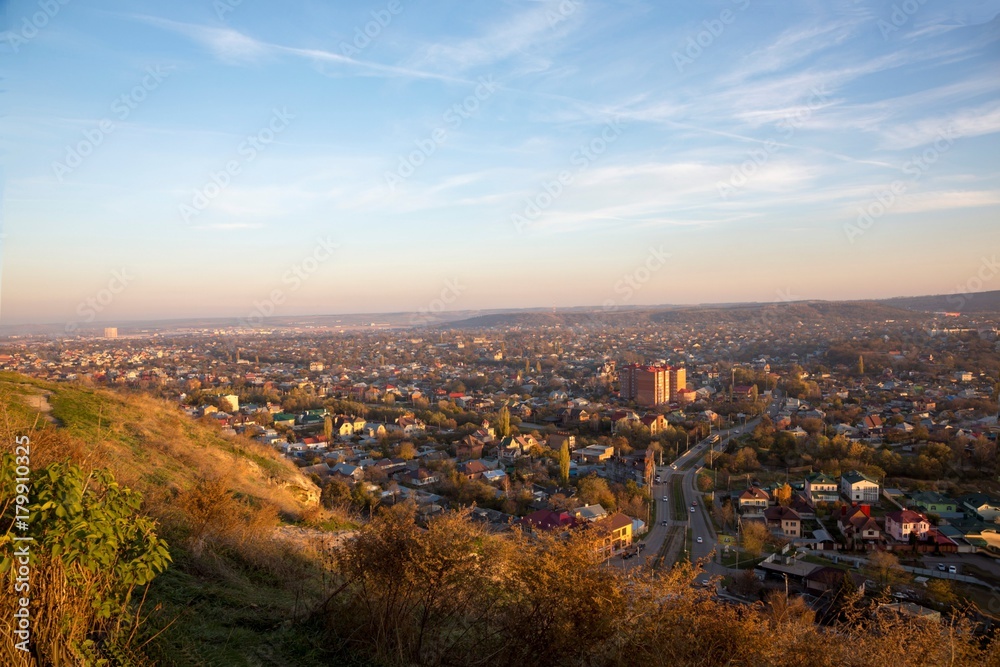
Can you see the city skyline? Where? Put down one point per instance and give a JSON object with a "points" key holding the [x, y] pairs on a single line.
{"points": [[202, 159]]}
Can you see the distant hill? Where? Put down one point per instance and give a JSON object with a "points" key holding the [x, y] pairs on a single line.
{"points": [[894, 308], [806, 311], [978, 302]]}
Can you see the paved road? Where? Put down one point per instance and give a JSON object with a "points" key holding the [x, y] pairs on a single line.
{"points": [[699, 520]]}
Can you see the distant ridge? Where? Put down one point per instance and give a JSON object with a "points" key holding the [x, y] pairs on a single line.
{"points": [[892, 308], [978, 302]]}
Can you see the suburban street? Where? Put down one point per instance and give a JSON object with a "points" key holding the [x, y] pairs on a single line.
{"points": [[685, 469]]}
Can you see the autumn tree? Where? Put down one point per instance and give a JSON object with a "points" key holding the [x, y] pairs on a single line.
{"points": [[594, 490], [564, 464], [503, 422], [783, 495], [406, 451], [755, 537], [885, 569]]}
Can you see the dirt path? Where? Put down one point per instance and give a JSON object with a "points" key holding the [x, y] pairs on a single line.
{"points": [[40, 402]]}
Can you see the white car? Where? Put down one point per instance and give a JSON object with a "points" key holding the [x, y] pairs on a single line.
{"points": [[700, 540], [665, 499], [692, 510]]}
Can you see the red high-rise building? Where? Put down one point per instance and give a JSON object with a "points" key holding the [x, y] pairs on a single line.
{"points": [[652, 385]]}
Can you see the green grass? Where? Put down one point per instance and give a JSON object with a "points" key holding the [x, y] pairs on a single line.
{"points": [[745, 560], [677, 494], [230, 616]]}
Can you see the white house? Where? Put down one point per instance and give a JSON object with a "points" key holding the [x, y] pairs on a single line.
{"points": [[901, 523], [860, 488]]}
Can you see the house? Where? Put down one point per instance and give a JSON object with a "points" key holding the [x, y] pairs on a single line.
{"points": [[858, 527], [410, 426], [783, 520], [858, 487], [656, 423], [594, 454], [821, 489], [511, 448], [931, 501], [419, 477], [980, 506], [494, 476], [469, 447], [556, 440], [373, 430], [590, 513], [547, 520], [616, 532], [754, 501], [901, 524], [390, 466], [321, 470], [346, 472], [473, 469]]}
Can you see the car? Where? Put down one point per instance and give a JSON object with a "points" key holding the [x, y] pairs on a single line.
{"points": [[694, 503], [657, 480], [705, 582], [941, 567], [692, 510], [673, 466], [664, 523], [952, 569], [665, 499], [700, 540]]}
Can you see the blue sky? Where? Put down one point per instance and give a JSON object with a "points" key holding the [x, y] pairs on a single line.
{"points": [[217, 155]]}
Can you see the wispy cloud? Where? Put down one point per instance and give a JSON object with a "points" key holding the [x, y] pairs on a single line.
{"points": [[969, 122], [519, 36], [232, 46]]}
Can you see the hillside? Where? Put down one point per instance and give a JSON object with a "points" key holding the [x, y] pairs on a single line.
{"points": [[776, 313], [978, 302], [219, 502]]}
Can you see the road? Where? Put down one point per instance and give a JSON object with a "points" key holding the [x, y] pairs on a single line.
{"points": [[698, 521]]}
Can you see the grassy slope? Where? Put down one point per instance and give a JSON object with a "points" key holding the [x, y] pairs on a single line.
{"points": [[224, 607]]}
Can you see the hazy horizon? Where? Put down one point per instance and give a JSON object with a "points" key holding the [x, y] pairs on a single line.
{"points": [[202, 160]]}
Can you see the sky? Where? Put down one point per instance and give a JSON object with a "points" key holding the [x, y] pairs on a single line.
{"points": [[243, 159]]}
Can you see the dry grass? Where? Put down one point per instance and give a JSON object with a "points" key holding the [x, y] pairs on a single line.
{"points": [[217, 500]]}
